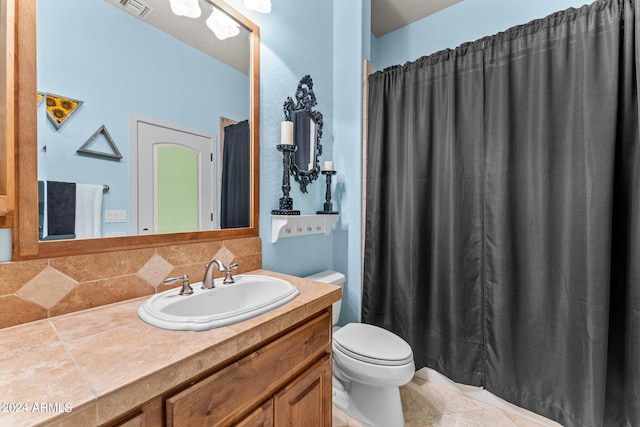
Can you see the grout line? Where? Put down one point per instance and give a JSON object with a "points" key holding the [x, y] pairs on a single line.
{"points": [[75, 362]]}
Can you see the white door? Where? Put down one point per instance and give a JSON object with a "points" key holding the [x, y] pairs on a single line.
{"points": [[173, 180]]}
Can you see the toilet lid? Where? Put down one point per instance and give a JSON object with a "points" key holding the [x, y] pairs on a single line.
{"points": [[372, 344]]}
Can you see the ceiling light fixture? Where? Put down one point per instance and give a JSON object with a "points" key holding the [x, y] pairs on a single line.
{"points": [[262, 6], [188, 8], [222, 25]]}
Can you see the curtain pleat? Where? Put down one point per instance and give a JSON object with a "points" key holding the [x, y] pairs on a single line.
{"points": [[424, 210], [623, 362], [502, 233], [550, 119]]}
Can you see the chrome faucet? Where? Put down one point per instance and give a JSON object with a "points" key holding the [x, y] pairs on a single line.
{"points": [[207, 281], [186, 288]]}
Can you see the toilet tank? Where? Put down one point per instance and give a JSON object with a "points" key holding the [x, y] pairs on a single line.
{"points": [[333, 278]]}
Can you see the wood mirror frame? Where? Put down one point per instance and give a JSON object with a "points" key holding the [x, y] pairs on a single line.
{"points": [[25, 233]]}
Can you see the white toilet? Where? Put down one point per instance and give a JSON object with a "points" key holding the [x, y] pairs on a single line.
{"points": [[369, 366]]}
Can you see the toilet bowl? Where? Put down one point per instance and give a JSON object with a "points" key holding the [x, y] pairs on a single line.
{"points": [[369, 366]]}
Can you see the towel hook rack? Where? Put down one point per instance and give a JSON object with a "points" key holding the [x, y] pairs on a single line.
{"points": [[105, 188]]}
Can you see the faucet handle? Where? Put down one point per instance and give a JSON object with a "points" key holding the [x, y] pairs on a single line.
{"points": [[228, 278], [186, 288]]}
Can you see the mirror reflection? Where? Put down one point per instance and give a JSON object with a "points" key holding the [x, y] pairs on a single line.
{"points": [[304, 137], [307, 131], [151, 104]]}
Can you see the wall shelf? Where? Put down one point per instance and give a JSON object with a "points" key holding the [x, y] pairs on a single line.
{"points": [[300, 225]]}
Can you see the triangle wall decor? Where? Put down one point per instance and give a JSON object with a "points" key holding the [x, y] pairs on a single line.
{"points": [[115, 154], [60, 108]]}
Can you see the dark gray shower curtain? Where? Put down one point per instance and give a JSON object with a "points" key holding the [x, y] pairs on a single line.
{"points": [[236, 163], [502, 229]]}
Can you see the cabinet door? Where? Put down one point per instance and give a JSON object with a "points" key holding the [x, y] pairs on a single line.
{"points": [[150, 416], [261, 417], [228, 394], [307, 400]]}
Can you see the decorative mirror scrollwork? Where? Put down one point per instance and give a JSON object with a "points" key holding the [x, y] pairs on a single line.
{"points": [[307, 132]]}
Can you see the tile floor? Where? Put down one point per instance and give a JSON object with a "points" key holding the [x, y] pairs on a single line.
{"points": [[426, 404]]}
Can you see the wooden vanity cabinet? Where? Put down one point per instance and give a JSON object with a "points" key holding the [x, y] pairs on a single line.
{"points": [[285, 382]]}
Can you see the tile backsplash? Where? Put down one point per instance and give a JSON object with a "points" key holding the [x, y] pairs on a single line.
{"points": [[37, 289]]}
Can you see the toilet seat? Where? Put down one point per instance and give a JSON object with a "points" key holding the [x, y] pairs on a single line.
{"points": [[371, 344]]}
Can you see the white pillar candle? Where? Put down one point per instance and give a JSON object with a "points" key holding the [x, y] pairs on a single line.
{"points": [[328, 165], [286, 133]]}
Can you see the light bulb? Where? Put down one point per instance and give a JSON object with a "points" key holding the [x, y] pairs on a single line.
{"points": [[222, 25]]}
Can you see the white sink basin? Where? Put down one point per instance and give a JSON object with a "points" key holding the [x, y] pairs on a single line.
{"points": [[223, 305]]}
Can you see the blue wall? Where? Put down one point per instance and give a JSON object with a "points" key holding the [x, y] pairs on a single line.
{"points": [[465, 21], [351, 45], [99, 43], [296, 39]]}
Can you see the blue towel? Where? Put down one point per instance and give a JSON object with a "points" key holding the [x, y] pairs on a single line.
{"points": [[61, 209]]}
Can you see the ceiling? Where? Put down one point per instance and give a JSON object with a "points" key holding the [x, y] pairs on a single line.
{"points": [[386, 16], [234, 51], [389, 15]]}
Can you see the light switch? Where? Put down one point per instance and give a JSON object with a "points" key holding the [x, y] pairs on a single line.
{"points": [[115, 216]]}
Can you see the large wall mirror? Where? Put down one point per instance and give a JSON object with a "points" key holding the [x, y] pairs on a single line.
{"points": [[157, 108]]}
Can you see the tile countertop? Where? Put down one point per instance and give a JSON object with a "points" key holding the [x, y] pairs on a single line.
{"points": [[91, 366]]}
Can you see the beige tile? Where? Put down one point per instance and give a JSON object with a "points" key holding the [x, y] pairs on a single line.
{"points": [[248, 263], [47, 288], [338, 418], [91, 267], [482, 418], [242, 247], [425, 399], [13, 275], [225, 255], [34, 336], [156, 349], [428, 404], [95, 321], [519, 421], [15, 311], [200, 253], [64, 384], [102, 292], [155, 270]]}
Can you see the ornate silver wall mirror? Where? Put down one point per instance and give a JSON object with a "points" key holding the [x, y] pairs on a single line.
{"points": [[307, 132]]}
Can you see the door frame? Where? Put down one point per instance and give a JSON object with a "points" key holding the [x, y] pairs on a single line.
{"points": [[134, 119]]}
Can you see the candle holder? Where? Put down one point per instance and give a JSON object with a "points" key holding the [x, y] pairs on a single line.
{"points": [[286, 202], [328, 206]]}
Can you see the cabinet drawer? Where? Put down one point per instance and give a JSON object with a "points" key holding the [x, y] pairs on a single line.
{"points": [[224, 396]]}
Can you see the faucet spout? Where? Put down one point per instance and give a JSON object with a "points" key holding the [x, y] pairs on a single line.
{"points": [[207, 281]]}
